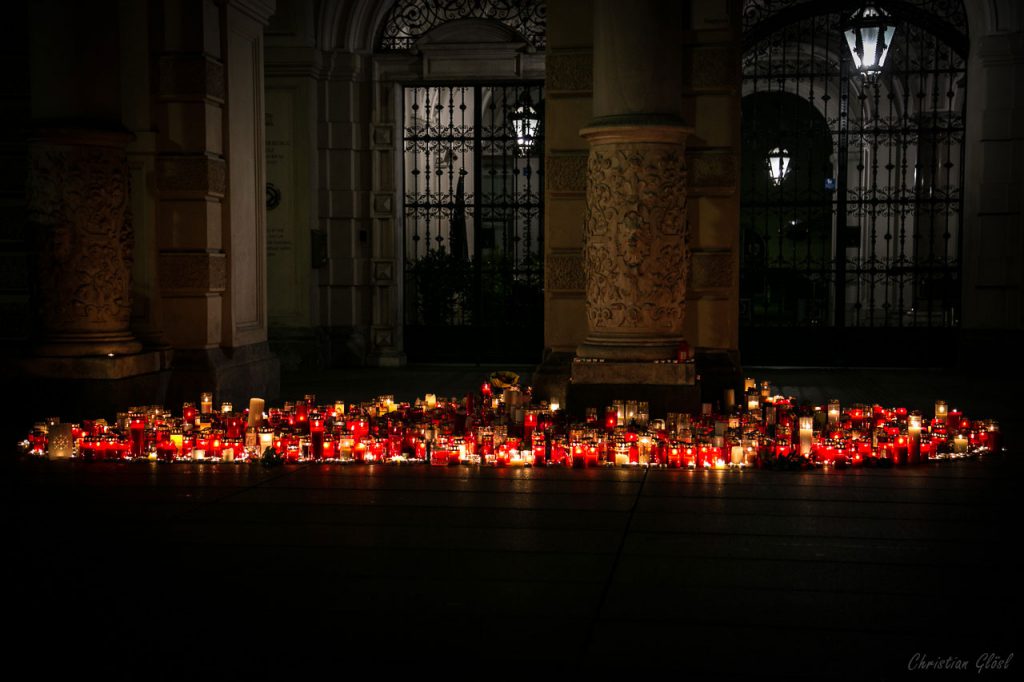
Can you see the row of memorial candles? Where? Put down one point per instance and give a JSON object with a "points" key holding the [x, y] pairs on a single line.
{"points": [[506, 428]]}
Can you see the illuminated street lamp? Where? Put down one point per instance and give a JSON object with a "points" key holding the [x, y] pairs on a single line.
{"points": [[778, 164], [525, 122], [869, 34]]}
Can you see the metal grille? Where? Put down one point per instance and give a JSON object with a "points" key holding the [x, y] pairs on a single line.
{"points": [[864, 231], [473, 222], [411, 19]]}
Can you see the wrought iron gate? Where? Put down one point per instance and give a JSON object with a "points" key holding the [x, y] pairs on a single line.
{"points": [[473, 222], [850, 189]]}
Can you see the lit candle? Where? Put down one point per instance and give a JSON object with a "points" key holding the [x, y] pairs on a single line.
{"points": [[206, 403], [941, 410], [137, 429], [226, 407], [188, 414], [611, 418], [60, 442], [806, 435], [555, 405], [914, 437], [430, 401], [256, 406], [833, 412], [629, 411], [749, 384], [177, 439], [953, 418], [316, 435], [266, 439], [960, 444]]}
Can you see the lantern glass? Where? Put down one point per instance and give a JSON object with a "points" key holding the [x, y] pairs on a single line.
{"points": [[525, 122], [869, 35], [778, 165]]}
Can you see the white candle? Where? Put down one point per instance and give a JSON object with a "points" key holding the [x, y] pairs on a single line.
{"points": [[431, 401], [960, 444], [833, 412], [914, 433], [256, 406], [737, 455], [806, 435]]}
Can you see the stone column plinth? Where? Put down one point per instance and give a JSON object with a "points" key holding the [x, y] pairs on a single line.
{"points": [[635, 241], [78, 190]]}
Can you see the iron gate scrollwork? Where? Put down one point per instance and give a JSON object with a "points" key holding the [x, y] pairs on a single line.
{"points": [[856, 249], [473, 222]]}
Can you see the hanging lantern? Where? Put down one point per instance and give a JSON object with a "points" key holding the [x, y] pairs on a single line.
{"points": [[526, 123], [869, 34], [778, 165]]}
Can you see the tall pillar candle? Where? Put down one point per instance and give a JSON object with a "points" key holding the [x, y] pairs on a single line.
{"points": [[256, 406], [806, 435]]}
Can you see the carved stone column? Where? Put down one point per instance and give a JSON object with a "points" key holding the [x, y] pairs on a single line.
{"points": [[635, 249], [78, 189], [635, 241]]}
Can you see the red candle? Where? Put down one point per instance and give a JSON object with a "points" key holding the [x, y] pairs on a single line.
{"points": [[538, 452], [900, 450], [316, 436], [137, 430], [953, 418]]}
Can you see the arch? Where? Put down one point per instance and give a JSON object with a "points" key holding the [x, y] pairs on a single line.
{"points": [[946, 19], [409, 20], [350, 25]]}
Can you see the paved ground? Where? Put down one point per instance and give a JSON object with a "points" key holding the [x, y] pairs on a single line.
{"points": [[137, 568]]}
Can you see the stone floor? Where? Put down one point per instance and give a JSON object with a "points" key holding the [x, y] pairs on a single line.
{"points": [[136, 568]]}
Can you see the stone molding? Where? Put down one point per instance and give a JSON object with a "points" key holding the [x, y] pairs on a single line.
{"points": [[201, 175], [566, 173], [563, 271], [713, 172], [711, 269], [714, 68], [569, 72], [199, 272], [191, 76]]}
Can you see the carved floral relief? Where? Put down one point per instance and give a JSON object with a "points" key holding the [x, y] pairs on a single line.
{"points": [[635, 237]]}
